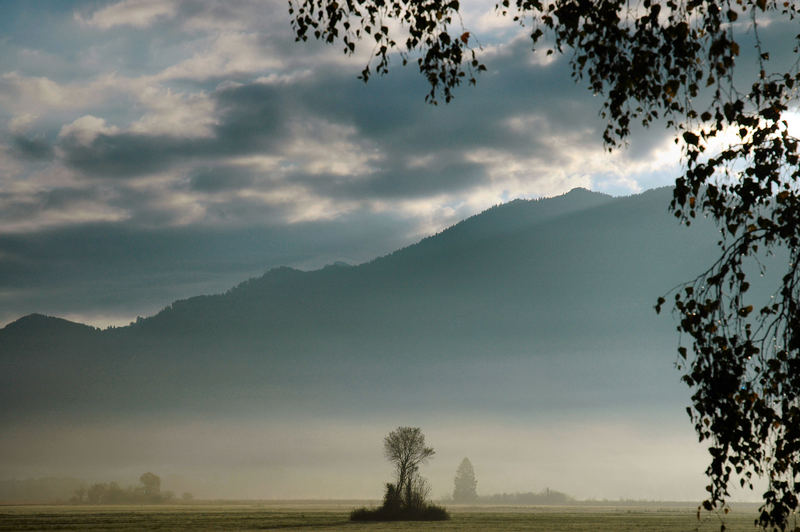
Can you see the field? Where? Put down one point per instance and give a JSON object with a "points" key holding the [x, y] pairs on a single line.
{"points": [[333, 516]]}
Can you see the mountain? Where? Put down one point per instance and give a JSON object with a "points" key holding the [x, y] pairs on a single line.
{"points": [[522, 298]]}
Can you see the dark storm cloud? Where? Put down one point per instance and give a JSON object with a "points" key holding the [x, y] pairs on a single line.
{"points": [[391, 108], [258, 118], [252, 119], [17, 208], [391, 114], [448, 175], [33, 149], [221, 179], [123, 155]]}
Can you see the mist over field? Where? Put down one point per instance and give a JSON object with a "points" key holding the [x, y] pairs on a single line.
{"points": [[343, 459]]}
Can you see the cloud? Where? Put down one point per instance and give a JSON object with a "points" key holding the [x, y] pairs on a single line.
{"points": [[38, 90], [253, 123], [31, 98], [320, 145], [136, 13], [21, 123], [174, 113], [85, 129], [33, 149], [226, 55], [265, 16], [221, 179], [119, 156], [33, 211]]}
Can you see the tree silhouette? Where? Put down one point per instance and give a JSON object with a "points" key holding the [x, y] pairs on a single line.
{"points": [[405, 448], [406, 498], [151, 483], [465, 483], [671, 62]]}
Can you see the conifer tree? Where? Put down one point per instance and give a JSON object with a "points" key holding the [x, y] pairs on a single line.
{"points": [[465, 483]]}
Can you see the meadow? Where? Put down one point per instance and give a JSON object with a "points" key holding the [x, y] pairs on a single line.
{"points": [[334, 516]]}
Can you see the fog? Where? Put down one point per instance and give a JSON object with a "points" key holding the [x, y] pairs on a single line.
{"points": [[596, 458]]}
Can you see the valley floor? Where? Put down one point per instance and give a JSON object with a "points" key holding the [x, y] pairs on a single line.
{"points": [[334, 516]]}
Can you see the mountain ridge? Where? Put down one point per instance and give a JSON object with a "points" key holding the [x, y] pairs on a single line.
{"points": [[509, 212], [564, 295]]}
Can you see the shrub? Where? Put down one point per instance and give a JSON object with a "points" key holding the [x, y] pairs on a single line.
{"points": [[395, 509], [428, 512]]}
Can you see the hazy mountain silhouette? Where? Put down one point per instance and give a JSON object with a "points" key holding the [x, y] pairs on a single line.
{"points": [[546, 302]]}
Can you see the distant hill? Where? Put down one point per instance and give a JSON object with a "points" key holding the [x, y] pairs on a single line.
{"points": [[521, 298]]}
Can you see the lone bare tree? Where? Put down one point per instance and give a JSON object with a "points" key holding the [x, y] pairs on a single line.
{"points": [[406, 499], [405, 448]]}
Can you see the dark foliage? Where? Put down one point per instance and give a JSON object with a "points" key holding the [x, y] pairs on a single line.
{"points": [[430, 512], [149, 492], [674, 62], [395, 509]]}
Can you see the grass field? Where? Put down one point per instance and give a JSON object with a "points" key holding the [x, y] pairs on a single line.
{"points": [[335, 517]]}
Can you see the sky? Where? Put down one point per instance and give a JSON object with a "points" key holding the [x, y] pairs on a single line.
{"points": [[156, 150]]}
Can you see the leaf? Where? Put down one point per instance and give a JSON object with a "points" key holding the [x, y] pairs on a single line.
{"points": [[464, 37], [691, 138], [671, 88]]}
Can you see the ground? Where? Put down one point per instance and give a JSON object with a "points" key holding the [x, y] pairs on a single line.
{"points": [[334, 516]]}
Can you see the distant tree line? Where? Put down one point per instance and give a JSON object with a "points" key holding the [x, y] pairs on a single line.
{"points": [[546, 496], [465, 491], [147, 492]]}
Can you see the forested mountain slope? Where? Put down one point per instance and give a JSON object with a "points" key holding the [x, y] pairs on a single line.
{"points": [[521, 297]]}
